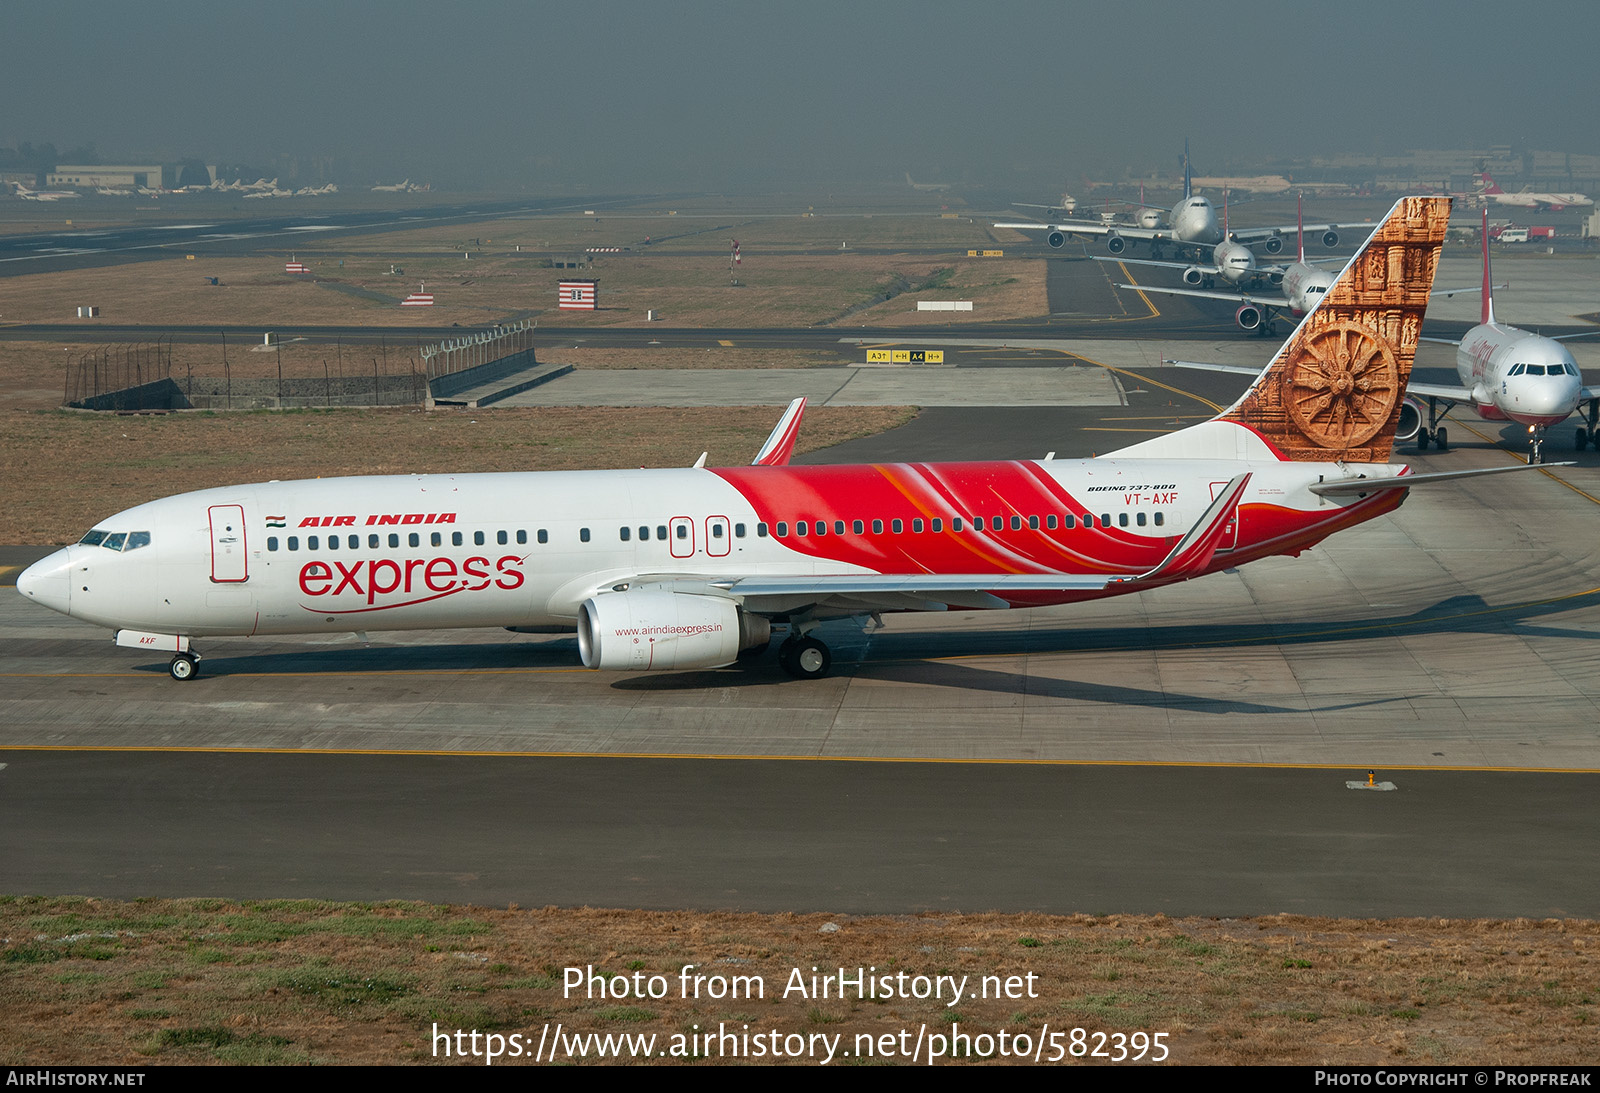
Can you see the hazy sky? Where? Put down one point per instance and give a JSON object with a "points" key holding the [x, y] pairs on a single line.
{"points": [[706, 96]]}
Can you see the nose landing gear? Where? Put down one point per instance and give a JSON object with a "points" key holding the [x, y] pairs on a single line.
{"points": [[184, 666]]}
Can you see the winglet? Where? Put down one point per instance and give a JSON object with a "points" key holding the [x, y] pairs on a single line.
{"points": [[780, 445], [1196, 549]]}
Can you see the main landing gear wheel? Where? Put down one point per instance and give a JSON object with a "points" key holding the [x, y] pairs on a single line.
{"points": [[183, 667], [1441, 439], [1581, 441], [805, 658]]}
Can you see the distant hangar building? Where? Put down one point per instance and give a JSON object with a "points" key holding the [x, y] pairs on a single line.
{"points": [[107, 176]]}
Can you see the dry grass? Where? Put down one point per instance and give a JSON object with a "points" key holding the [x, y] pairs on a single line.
{"points": [[185, 981], [65, 469]]}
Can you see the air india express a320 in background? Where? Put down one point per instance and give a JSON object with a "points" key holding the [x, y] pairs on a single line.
{"points": [[689, 568]]}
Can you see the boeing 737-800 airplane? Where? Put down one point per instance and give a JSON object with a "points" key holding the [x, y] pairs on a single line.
{"points": [[662, 569]]}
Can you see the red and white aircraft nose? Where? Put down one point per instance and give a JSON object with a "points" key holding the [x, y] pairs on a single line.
{"points": [[49, 582]]}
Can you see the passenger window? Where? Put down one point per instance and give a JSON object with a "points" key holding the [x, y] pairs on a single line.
{"points": [[625, 533], [311, 542], [1140, 519], [272, 542], [716, 531], [522, 537], [782, 529], [916, 527], [955, 523], [644, 533], [738, 531], [333, 542], [455, 539], [500, 538], [661, 531], [477, 539], [414, 539], [1069, 521], [822, 527], [1105, 519], [1050, 522], [683, 531], [544, 535], [799, 527], [838, 527], [583, 535], [761, 529], [294, 542], [897, 526], [436, 539], [1033, 523], [938, 525], [394, 540], [877, 527], [1160, 519], [1016, 523]]}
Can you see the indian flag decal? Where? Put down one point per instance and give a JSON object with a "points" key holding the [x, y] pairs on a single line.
{"points": [[277, 521]]}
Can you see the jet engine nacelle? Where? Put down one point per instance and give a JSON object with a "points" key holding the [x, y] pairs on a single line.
{"points": [[644, 629], [1330, 238], [1276, 277], [1193, 276], [1115, 243], [1273, 244], [1056, 240], [1410, 422], [1248, 317]]}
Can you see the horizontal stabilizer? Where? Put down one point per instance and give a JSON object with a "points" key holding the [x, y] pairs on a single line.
{"points": [[1406, 481]]}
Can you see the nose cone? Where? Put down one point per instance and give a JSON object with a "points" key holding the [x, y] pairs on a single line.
{"points": [[49, 582]]}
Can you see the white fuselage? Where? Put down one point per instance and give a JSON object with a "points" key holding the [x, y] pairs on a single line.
{"points": [[1235, 264], [528, 549], [1517, 376], [1194, 222], [1304, 286]]}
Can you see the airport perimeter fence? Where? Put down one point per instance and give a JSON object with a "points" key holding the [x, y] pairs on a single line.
{"points": [[479, 348], [226, 375]]}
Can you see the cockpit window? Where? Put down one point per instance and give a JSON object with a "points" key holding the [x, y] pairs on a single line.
{"points": [[1535, 369], [93, 538], [1517, 369], [136, 539], [1572, 370], [114, 541]]}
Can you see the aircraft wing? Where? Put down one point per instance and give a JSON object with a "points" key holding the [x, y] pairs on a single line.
{"points": [[848, 594], [1277, 302], [1089, 227], [1426, 390], [1287, 231], [1209, 269]]}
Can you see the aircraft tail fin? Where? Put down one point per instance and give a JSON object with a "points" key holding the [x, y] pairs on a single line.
{"points": [[1300, 225], [1486, 314], [1334, 391], [1336, 387]]}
